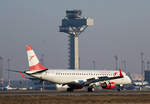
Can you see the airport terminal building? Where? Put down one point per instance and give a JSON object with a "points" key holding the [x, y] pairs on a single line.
{"points": [[147, 75]]}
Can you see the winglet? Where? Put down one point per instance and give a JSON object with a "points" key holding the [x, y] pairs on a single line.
{"points": [[28, 47], [120, 71], [22, 75]]}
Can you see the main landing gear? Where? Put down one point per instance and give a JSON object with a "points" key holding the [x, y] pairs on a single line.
{"points": [[70, 89], [91, 89], [120, 87]]}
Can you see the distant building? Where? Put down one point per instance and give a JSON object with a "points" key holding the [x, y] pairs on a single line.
{"points": [[136, 76], [147, 75], [1, 67], [1, 71]]}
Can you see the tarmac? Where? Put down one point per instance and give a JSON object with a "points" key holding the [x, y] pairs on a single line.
{"points": [[77, 97], [75, 93]]}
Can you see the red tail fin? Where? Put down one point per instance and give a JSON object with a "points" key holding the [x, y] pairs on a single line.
{"points": [[37, 67], [34, 63]]}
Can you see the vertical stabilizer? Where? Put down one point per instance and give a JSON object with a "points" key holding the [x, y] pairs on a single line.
{"points": [[33, 61]]}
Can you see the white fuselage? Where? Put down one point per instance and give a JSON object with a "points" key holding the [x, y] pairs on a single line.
{"points": [[64, 76]]}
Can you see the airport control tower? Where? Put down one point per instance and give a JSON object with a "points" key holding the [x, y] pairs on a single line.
{"points": [[73, 24]]}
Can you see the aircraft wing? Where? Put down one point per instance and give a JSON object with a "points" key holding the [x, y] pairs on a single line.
{"points": [[105, 78], [87, 82]]}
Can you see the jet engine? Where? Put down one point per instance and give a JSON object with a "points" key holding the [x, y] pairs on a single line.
{"points": [[60, 87], [108, 85]]}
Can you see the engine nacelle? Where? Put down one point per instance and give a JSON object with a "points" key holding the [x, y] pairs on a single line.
{"points": [[60, 87], [108, 85]]}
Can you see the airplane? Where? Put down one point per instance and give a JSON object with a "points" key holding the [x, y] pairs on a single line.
{"points": [[75, 79]]}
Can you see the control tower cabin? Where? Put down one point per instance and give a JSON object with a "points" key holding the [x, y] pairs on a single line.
{"points": [[73, 24]]}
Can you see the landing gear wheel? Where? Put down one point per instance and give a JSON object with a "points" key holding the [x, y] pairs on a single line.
{"points": [[91, 89], [119, 88], [69, 89]]}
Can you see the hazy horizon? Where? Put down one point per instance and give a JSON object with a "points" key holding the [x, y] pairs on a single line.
{"points": [[121, 27]]}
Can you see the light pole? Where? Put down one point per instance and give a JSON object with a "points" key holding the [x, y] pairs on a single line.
{"points": [[93, 64], [142, 67], [116, 61]]}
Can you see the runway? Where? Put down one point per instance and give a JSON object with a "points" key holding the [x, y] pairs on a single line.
{"points": [[77, 97], [76, 93]]}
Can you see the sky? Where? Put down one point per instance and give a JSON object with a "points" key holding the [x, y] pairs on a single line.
{"points": [[121, 27]]}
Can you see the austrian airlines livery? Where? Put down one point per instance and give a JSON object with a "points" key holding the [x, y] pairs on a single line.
{"points": [[75, 79]]}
